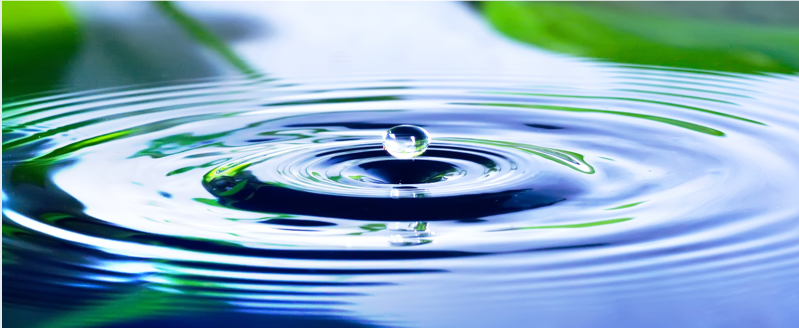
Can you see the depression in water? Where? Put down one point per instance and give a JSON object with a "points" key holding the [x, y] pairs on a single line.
{"points": [[406, 141]]}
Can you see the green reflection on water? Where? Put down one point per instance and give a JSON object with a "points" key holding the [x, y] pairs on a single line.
{"points": [[178, 143], [579, 225], [625, 206], [570, 159], [372, 227], [655, 102], [192, 167], [677, 95], [646, 35], [208, 201], [682, 124]]}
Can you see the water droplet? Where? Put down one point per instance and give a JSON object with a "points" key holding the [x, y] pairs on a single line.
{"points": [[405, 141]]}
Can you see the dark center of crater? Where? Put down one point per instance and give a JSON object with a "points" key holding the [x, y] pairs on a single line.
{"points": [[403, 171]]}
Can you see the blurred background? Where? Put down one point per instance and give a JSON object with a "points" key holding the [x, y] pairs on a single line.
{"points": [[63, 46]]}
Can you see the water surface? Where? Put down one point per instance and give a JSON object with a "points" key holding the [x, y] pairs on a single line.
{"points": [[568, 194]]}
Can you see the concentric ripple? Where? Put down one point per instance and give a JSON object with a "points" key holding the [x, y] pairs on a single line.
{"points": [[276, 195], [359, 180]]}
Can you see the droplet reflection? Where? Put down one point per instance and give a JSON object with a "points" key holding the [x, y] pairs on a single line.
{"points": [[405, 141]]}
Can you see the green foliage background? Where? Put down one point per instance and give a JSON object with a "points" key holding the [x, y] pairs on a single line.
{"points": [[39, 39], [647, 34]]}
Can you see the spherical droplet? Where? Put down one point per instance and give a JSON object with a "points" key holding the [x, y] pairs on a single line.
{"points": [[405, 141]]}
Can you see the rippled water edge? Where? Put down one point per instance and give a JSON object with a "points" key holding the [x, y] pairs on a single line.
{"points": [[665, 190]]}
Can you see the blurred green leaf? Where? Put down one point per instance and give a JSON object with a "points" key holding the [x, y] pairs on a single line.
{"points": [[606, 31], [39, 38], [200, 33]]}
